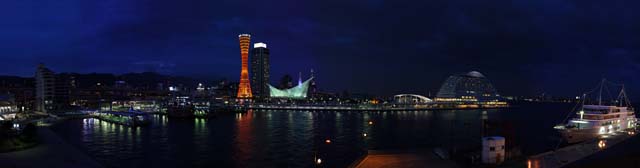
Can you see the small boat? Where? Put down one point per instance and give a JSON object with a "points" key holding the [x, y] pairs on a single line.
{"points": [[593, 121]]}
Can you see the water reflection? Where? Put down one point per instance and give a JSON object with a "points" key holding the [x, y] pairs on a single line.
{"points": [[273, 138], [244, 137]]}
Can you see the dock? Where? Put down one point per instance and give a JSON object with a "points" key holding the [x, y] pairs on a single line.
{"points": [[572, 153], [131, 118], [370, 108], [406, 159]]}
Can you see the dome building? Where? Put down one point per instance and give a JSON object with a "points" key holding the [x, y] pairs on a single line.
{"points": [[469, 87]]}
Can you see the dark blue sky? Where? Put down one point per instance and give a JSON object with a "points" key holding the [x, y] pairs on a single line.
{"points": [[561, 47]]}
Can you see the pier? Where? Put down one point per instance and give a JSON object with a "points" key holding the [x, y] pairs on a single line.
{"points": [[372, 107], [381, 159], [572, 153], [131, 118]]}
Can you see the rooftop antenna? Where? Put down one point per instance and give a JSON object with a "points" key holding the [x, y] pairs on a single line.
{"points": [[299, 78], [623, 97]]}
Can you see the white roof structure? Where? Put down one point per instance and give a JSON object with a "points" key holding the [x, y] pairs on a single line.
{"points": [[296, 92], [259, 45], [475, 74], [411, 99]]}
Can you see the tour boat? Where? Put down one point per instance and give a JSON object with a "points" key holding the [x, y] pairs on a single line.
{"points": [[593, 121]]}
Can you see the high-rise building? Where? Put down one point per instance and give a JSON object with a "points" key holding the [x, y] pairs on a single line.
{"points": [[286, 82], [260, 70], [244, 88], [44, 88], [313, 88], [52, 90]]}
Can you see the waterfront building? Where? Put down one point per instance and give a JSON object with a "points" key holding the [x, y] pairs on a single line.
{"points": [[52, 90], [138, 105], [45, 79], [244, 88], [286, 82], [61, 91], [411, 99], [469, 87], [8, 107], [297, 92], [22, 89], [260, 70], [313, 88]]}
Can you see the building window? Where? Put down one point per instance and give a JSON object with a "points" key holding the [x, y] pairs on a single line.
{"points": [[492, 148]]}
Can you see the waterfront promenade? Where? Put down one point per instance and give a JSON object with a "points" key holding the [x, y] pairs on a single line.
{"points": [[406, 159], [314, 107], [572, 153], [52, 152]]}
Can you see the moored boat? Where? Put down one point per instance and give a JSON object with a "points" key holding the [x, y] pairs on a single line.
{"points": [[593, 121]]}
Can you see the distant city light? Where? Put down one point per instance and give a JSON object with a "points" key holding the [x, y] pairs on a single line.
{"points": [[610, 128], [200, 87], [328, 141], [318, 161], [602, 144], [581, 114], [370, 122], [365, 134]]}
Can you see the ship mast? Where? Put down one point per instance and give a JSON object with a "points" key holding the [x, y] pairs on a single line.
{"points": [[600, 95], [623, 97]]}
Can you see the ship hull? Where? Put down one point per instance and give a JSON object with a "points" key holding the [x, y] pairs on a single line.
{"points": [[578, 135]]}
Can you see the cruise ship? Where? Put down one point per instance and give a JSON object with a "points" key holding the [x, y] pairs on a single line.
{"points": [[593, 121]]}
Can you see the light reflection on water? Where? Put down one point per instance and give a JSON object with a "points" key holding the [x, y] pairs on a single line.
{"points": [[279, 138]]}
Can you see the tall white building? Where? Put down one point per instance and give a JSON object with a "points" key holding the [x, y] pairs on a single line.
{"points": [[45, 89]]}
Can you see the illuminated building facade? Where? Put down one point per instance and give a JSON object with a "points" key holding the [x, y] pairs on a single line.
{"points": [[260, 70], [411, 99], [8, 107], [297, 92], [469, 87], [244, 88]]}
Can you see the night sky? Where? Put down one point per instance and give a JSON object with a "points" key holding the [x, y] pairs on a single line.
{"points": [[525, 47]]}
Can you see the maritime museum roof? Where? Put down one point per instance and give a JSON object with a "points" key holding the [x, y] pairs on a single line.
{"points": [[296, 92]]}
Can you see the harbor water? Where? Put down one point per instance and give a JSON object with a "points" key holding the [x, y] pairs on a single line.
{"points": [[279, 138]]}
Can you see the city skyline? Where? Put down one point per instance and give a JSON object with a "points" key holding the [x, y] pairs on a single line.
{"points": [[331, 83], [511, 43]]}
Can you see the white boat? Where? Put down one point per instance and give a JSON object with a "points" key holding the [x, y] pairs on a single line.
{"points": [[593, 121]]}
